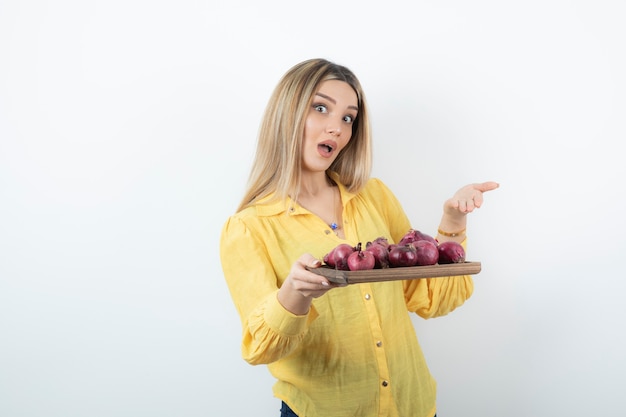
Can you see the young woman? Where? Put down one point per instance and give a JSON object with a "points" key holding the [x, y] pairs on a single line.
{"points": [[334, 351]]}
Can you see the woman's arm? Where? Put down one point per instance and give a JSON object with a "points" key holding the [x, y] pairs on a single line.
{"points": [[274, 317]]}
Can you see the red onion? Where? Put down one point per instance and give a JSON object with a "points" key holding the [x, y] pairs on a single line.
{"points": [[414, 235], [380, 252], [360, 260], [329, 258], [451, 252], [381, 241], [427, 252], [340, 256], [402, 255]]}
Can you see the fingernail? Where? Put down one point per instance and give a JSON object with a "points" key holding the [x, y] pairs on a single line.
{"points": [[316, 262], [324, 283]]}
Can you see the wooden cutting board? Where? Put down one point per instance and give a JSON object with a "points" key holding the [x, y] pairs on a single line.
{"points": [[398, 273]]}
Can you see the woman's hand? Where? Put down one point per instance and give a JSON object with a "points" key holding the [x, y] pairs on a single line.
{"points": [[467, 198], [302, 286], [455, 209]]}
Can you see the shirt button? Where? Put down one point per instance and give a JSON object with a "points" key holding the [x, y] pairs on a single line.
{"points": [[385, 383], [379, 343], [367, 296]]}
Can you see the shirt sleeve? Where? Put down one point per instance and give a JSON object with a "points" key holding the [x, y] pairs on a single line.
{"points": [[434, 297], [269, 330], [430, 297]]}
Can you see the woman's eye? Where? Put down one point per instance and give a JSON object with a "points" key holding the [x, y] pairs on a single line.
{"points": [[348, 119], [320, 108]]}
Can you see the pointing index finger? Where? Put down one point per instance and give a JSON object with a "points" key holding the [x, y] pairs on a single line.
{"points": [[487, 186]]}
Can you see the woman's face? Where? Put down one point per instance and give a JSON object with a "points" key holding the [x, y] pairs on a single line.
{"points": [[328, 126]]}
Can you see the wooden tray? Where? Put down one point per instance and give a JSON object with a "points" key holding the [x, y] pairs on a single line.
{"points": [[398, 273]]}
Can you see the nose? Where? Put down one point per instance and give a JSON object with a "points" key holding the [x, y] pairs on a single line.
{"points": [[334, 128]]}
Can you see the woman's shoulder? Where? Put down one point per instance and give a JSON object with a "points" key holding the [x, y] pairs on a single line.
{"points": [[240, 224], [256, 214], [376, 186], [269, 205]]}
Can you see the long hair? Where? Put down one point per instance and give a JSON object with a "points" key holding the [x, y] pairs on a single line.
{"points": [[278, 160]]}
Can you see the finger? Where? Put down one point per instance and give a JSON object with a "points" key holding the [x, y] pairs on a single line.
{"points": [[315, 263], [478, 200], [316, 279], [486, 186], [309, 260], [308, 285], [317, 289], [470, 206]]}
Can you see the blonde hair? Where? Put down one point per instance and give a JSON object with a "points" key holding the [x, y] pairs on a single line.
{"points": [[277, 163]]}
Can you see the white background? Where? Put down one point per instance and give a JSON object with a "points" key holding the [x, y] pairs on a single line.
{"points": [[127, 129]]}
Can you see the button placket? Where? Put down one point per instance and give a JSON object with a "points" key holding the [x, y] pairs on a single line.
{"points": [[377, 340]]}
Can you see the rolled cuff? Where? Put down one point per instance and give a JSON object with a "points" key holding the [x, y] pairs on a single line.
{"points": [[284, 322]]}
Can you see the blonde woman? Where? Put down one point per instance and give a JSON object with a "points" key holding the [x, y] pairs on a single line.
{"points": [[334, 350]]}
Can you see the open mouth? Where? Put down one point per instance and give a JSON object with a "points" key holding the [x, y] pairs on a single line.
{"points": [[327, 148]]}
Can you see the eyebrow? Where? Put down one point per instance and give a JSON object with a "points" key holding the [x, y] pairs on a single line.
{"points": [[332, 100]]}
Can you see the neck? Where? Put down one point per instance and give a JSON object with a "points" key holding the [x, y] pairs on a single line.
{"points": [[313, 186], [321, 196]]}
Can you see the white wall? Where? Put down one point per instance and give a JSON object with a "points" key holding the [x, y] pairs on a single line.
{"points": [[126, 133]]}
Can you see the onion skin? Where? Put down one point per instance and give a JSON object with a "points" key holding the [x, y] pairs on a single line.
{"points": [[414, 235], [451, 252], [402, 255], [427, 252], [381, 241], [409, 237], [360, 260], [340, 256], [329, 258], [380, 252], [427, 237]]}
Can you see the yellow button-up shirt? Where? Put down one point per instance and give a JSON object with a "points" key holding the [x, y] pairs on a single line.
{"points": [[356, 352]]}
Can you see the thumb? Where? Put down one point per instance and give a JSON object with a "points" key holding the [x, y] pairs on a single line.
{"points": [[309, 260]]}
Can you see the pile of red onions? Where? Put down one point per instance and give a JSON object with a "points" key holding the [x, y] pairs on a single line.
{"points": [[414, 249]]}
